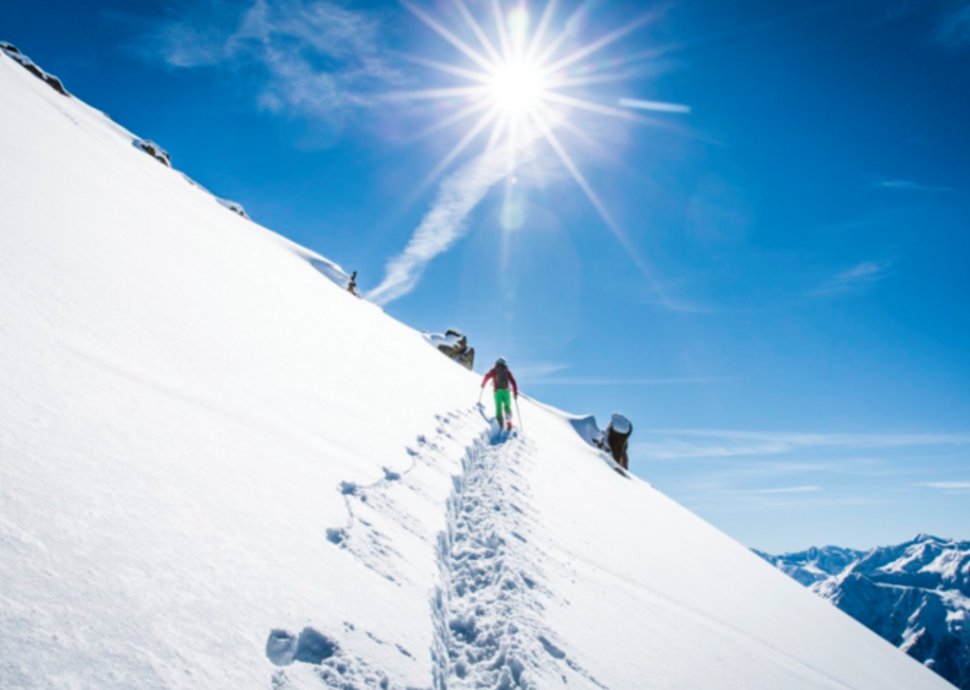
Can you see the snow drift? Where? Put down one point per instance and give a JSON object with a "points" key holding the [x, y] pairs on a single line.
{"points": [[215, 473]]}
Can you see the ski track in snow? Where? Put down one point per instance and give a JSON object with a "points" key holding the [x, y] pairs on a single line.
{"points": [[487, 608]]}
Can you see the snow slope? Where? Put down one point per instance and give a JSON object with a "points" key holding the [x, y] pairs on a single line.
{"points": [[218, 469]]}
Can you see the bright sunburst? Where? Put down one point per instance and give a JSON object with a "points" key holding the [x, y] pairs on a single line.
{"points": [[517, 81], [516, 87]]}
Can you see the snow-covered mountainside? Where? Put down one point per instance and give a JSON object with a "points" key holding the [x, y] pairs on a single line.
{"points": [[220, 469], [814, 564], [915, 595]]}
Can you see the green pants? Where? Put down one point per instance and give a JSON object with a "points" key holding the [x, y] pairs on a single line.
{"points": [[503, 399]]}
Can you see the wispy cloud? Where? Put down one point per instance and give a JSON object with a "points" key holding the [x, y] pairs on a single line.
{"points": [[677, 305], [945, 486], [537, 370], [784, 465], [685, 444], [907, 185], [655, 106], [632, 381], [858, 277], [949, 20], [742, 502], [802, 489], [953, 30], [443, 225], [311, 58]]}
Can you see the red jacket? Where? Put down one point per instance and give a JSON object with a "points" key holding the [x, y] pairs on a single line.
{"points": [[498, 382]]}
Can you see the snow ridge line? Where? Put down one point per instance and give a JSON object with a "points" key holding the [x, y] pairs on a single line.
{"points": [[487, 609]]}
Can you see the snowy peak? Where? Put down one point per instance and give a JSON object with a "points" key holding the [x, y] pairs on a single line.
{"points": [[925, 561], [914, 595], [813, 564]]}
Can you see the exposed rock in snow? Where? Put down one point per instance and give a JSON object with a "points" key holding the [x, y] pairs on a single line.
{"points": [[915, 595], [153, 150], [454, 344], [234, 206], [11, 51]]}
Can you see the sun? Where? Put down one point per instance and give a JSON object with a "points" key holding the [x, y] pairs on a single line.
{"points": [[519, 80], [516, 87]]}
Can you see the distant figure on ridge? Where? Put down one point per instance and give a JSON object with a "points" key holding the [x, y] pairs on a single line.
{"points": [[616, 438], [501, 377], [352, 285]]}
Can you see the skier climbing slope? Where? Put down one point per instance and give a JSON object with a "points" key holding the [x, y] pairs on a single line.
{"points": [[501, 378]]}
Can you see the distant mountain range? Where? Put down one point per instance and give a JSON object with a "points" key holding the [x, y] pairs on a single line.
{"points": [[916, 595]]}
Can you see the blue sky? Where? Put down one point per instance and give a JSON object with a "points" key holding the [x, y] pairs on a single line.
{"points": [[769, 276]]}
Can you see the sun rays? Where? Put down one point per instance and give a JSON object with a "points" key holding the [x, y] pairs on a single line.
{"points": [[515, 82], [515, 91]]}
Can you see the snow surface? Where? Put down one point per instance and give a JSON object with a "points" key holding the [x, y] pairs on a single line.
{"points": [[620, 423], [219, 470], [448, 339]]}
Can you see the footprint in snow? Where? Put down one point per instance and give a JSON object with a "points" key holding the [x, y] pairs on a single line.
{"points": [[311, 647]]}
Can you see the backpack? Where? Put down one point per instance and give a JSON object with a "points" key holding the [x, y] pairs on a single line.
{"points": [[501, 376]]}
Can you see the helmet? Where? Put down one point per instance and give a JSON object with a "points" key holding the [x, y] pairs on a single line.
{"points": [[501, 361]]}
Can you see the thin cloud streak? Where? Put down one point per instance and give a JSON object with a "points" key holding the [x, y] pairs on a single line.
{"points": [[945, 486], [860, 276], [767, 466], [953, 31], [949, 19], [908, 185], [812, 502], [655, 106], [537, 370], [686, 444], [676, 305], [443, 225], [573, 381], [803, 489]]}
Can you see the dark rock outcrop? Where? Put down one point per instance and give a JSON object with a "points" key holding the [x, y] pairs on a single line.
{"points": [[234, 206], [153, 150], [11, 51], [454, 344]]}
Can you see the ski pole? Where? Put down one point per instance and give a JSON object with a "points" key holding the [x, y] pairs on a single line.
{"points": [[519, 414]]}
